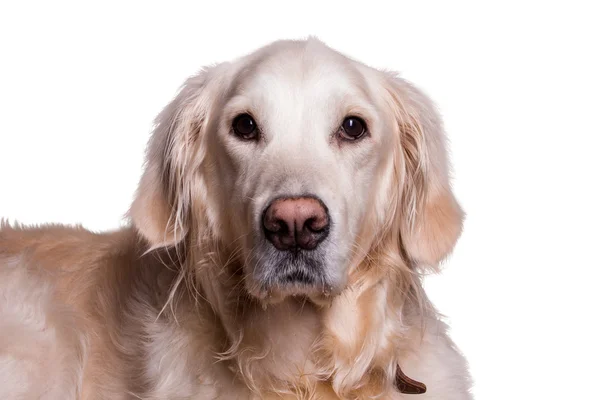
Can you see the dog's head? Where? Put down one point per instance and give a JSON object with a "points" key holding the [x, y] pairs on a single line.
{"points": [[301, 162]]}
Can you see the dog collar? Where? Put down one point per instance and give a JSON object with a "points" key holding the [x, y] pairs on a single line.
{"points": [[407, 385]]}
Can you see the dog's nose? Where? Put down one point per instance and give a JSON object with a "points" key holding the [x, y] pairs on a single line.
{"points": [[293, 223]]}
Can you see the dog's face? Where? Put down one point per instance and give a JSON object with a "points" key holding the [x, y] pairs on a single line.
{"points": [[298, 160], [297, 146]]}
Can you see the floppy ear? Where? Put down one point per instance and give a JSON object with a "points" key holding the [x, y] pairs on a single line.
{"points": [[161, 209], [431, 218]]}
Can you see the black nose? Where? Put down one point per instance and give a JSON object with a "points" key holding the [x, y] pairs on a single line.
{"points": [[293, 223]]}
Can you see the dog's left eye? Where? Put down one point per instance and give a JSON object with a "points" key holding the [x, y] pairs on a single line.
{"points": [[244, 126], [352, 128]]}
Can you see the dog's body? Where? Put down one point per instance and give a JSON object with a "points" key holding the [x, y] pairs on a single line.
{"points": [[187, 303]]}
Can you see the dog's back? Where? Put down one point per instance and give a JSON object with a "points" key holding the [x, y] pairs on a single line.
{"points": [[58, 287]]}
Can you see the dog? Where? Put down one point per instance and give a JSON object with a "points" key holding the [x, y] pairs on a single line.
{"points": [[291, 201]]}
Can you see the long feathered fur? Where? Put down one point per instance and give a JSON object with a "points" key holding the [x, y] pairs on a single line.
{"points": [[187, 326]]}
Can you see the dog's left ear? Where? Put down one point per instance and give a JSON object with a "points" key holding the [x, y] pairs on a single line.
{"points": [[161, 210], [430, 217]]}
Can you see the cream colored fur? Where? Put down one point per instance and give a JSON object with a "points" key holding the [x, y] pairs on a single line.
{"points": [[170, 308]]}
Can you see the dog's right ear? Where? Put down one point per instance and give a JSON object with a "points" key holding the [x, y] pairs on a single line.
{"points": [[161, 210]]}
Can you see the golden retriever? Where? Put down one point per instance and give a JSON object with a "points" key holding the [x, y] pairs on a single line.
{"points": [[290, 203]]}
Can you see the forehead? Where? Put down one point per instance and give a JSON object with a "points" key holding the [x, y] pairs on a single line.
{"points": [[299, 80]]}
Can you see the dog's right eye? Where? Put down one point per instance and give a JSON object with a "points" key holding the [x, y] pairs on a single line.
{"points": [[244, 126], [353, 128]]}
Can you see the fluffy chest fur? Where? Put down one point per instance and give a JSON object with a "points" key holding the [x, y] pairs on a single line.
{"points": [[349, 348]]}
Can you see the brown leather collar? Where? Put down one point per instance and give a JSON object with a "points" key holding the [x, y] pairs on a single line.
{"points": [[407, 385]]}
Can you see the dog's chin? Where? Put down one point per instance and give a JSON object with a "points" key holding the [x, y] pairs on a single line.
{"points": [[282, 275]]}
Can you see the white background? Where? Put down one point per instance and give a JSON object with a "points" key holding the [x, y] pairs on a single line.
{"points": [[518, 87]]}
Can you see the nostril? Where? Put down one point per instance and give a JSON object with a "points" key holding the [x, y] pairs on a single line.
{"points": [[282, 227], [276, 226], [273, 221], [310, 224], [316, 224]]}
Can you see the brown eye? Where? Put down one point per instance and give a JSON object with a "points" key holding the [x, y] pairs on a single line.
{"points": [[353, 128], [245, 127]]}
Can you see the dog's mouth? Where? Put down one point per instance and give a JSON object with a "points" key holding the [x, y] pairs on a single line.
{"points": [[282, 274], [300, 277]]}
